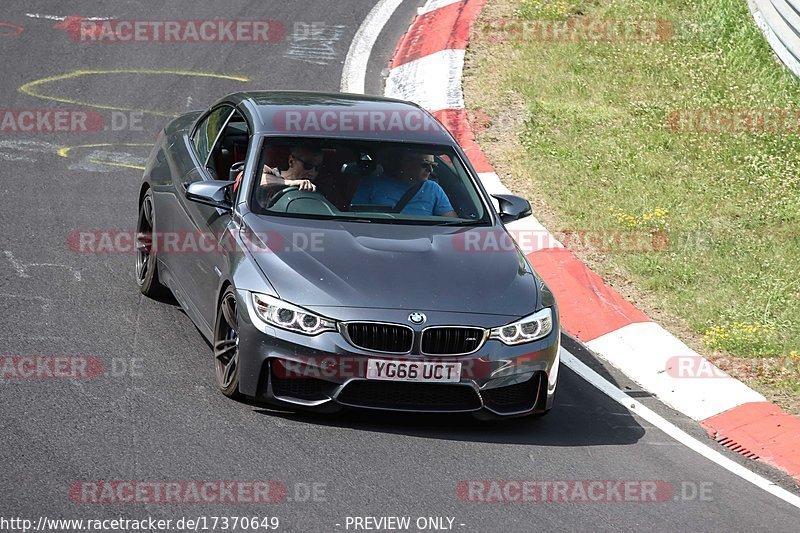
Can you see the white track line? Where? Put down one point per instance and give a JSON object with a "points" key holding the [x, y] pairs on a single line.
{"points": [[433, 5], [60, 18], [639, 409], [354, 72], [353, 78], [698, 399]]}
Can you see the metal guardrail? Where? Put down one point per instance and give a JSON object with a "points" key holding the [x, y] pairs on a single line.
{"points": [[779, 20]]}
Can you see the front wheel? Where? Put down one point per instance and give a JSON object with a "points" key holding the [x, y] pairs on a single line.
{"points": [[226, 345], [146, 264]]}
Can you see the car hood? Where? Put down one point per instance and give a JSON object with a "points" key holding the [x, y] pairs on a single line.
{"points": [[350, 264]]}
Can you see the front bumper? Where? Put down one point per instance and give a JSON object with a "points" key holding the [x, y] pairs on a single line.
{"points": [[326, 373]]}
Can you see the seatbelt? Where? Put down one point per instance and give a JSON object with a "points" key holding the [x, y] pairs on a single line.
{"points": [[410, 193]]}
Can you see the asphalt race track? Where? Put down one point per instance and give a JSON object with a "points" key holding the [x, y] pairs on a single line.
{"points": [[155, 414]]}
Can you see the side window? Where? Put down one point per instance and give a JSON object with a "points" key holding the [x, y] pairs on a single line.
{"points": [[207, 131], [230, 151], [444, 158]]}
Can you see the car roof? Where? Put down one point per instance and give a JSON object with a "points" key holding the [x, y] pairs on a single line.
{"points": [[355, 116]]}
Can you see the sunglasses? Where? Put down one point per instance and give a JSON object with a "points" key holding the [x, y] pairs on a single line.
{"points": [[307, 165], [429, 164]]}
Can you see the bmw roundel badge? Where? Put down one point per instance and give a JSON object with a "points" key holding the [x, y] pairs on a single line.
{"points": [[417, 318]]}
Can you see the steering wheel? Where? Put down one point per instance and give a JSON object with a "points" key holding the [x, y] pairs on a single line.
{"points": [[277, 195]]}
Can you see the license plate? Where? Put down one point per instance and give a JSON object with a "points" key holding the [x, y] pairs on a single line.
{"points": [[414, 371]]}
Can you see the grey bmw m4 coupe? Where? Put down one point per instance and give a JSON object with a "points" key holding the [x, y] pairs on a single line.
{"points": [[340, 251]]}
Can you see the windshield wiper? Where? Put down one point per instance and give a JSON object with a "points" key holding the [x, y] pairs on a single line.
{"points": [[458, 223], [344, 218]]}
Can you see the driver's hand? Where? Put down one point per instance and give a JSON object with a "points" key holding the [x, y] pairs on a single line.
{"points": [[303, 185], [268, 178]]}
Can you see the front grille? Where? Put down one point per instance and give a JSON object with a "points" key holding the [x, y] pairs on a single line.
{"points": [[451, 340], [414, 396], [302, 387], [390, 338], [519, 397]]}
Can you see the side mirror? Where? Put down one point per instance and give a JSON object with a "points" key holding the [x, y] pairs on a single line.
{"points": [[210, 192], [512, 207]]}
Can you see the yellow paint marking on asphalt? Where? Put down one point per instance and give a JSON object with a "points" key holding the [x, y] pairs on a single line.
{"points": [[125, 165], [65, 150], [32, 87]]}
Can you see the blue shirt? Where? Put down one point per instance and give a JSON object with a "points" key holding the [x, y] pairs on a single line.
{"points": [[383, 190]]}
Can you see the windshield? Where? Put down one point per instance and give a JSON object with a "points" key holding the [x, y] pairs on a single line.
{"points": [[365, 181]]}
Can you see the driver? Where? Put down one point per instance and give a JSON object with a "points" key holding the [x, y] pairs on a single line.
{"points": [[303, 167], [304, 164], [411, 174]]}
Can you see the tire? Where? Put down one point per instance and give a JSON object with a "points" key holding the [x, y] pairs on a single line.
{"points": [[226, 346], [146, 262]]}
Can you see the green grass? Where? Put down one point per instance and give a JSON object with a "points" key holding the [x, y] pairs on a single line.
{"points": [[595, 138]]}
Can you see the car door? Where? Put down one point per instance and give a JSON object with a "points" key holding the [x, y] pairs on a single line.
{"points": [[201, 227]]}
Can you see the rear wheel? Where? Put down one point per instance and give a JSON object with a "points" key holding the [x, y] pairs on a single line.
{"points": [[146, 267], [226, 345]]}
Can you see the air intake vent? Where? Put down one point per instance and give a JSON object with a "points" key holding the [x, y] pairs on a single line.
{"points": [[414, 396], [387, 338], [451, 340]]}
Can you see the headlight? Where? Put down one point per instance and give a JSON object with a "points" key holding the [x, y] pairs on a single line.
{"points": [[290, 317], [528, 329]]}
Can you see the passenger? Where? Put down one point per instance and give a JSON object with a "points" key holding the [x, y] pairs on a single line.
{"points": [[411, 175]]}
